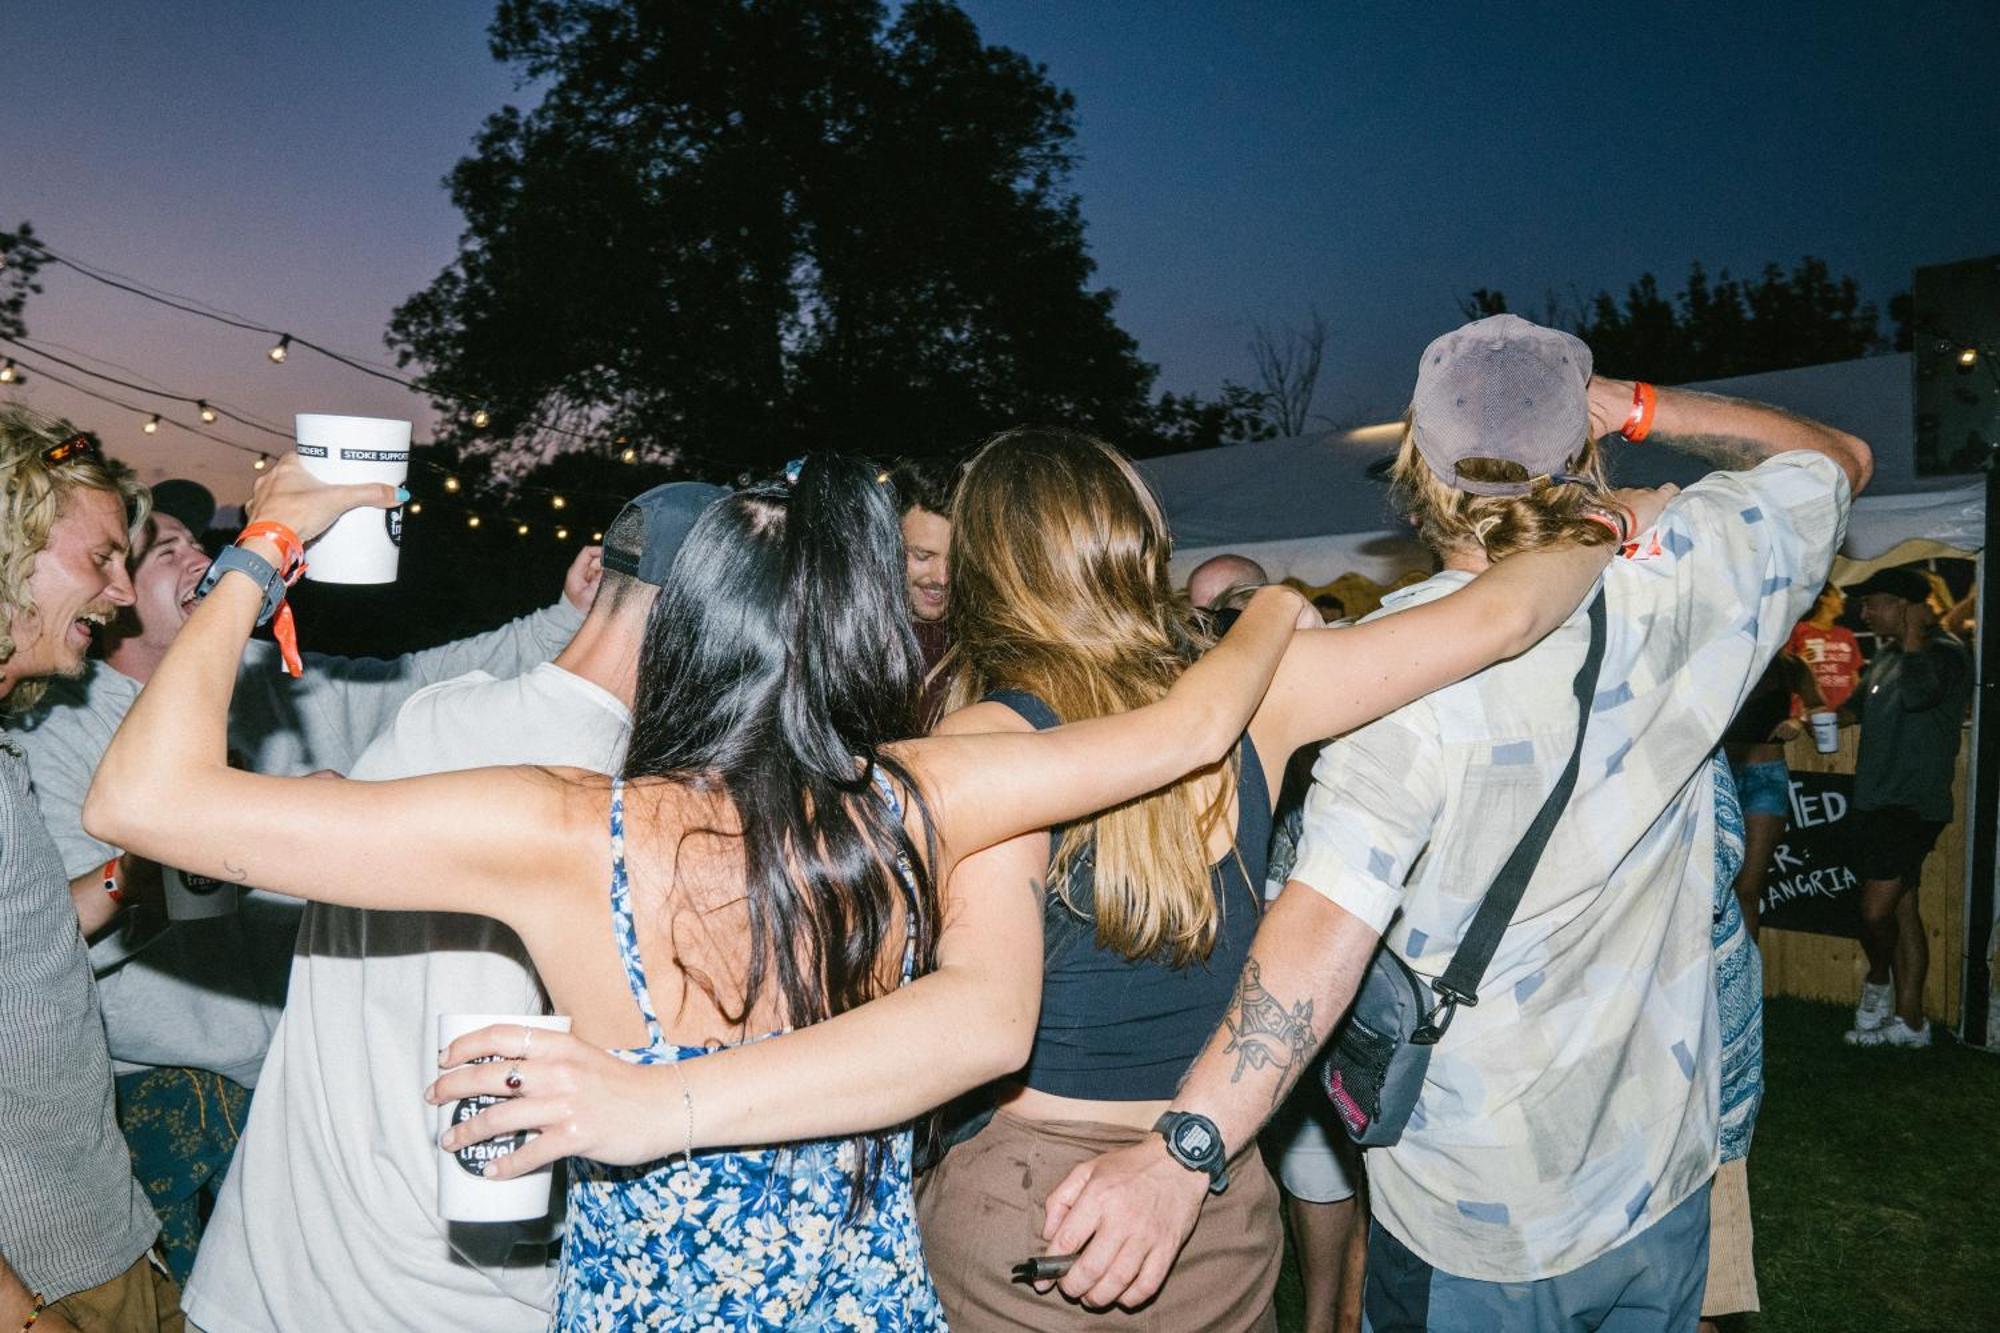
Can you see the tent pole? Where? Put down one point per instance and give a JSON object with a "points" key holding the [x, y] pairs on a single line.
{"points": [[1975, 1000]]}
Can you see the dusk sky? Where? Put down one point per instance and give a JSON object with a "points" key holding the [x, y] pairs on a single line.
{"points": [[1241, 163]]}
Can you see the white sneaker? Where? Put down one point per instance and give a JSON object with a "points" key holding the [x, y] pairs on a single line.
{"points": [[1877, 1004], [1895, 1032]]}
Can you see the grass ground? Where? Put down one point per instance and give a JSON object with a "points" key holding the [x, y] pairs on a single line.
{"points": [[1874, 1185]]}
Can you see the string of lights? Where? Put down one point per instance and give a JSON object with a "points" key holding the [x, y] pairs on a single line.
{"points": [[475, 515], [480, 417], [151, 421], [206, 410], [10, 373]]}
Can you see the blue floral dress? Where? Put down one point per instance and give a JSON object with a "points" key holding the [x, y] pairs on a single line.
{"points": [[738, 1240]]}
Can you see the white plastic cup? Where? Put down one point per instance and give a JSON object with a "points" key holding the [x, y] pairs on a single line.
{"points": [[362, 545], [1826, 732], [464, 1195], [193, 897]]}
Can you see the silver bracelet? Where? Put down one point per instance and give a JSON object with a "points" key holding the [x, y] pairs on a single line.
{"points": [[687, 1100]]}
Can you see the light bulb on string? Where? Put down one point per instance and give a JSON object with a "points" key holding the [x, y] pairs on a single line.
{"points": [[1968, 356], [630, 455], [278, 353], [557, 502], [152, 426], [207, 412], [415, 506], [562, 534], [263, 461], [521, 530], [9, 372], [451, 484], [596, 536], [481, 419], [472, 520]]}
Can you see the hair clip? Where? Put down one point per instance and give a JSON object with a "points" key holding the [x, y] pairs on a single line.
{"points": [[792, 470]]}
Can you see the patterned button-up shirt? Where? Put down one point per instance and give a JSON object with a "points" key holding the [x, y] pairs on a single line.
{"points": [[1576, 1104]]}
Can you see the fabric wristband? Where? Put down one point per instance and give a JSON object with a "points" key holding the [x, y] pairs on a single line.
{"points": [[111, 889], [1639, 422], [292, 552]]}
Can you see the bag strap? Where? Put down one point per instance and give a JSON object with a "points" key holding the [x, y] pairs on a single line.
{"points": [[1460, 982]]}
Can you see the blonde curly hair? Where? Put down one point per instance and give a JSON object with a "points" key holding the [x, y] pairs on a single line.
{"points": [[33, 493], [1449, 519]]}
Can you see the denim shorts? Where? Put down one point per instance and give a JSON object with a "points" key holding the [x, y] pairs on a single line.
{"points": [[1764, 789]]}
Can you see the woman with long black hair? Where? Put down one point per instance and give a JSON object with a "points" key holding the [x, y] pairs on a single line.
{"points": [[775, 851]]}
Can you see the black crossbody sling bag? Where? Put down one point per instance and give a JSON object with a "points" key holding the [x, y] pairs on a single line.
{"points": [[1375, 1071]]}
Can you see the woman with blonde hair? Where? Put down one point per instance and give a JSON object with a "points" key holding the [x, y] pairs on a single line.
{"points": [[1062, 610]]}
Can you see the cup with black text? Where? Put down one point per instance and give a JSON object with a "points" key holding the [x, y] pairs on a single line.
{"points": [[363, 544], [464, 1192], [192, 897]]}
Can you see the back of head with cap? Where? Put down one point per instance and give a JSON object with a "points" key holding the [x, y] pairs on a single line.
{"points": [[641, 543], [1497, 454]]}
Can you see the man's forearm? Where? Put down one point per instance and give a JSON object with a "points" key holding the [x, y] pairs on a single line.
{"points": [[1734, 434], [1304, 968]]}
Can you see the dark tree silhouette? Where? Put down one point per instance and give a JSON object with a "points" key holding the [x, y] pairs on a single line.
{"points": [[1728, 326], [20, 260], [734, 231], [1236, 415]]}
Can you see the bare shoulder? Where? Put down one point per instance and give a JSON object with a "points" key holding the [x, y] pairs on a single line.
{"points": [[985, 716]]}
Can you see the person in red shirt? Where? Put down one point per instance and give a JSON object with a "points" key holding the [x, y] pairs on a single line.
{"points": [[1829, 650]]}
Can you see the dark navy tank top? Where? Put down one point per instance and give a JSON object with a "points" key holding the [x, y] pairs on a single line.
{"points": [[1120, 1029]]}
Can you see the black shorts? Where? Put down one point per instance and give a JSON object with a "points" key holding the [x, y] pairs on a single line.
{"points": [[1891, 843]]}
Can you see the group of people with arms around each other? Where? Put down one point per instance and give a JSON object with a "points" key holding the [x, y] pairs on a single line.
{"points": [[792, 907]]}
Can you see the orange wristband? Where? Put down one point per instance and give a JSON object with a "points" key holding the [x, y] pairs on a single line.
{"points": [[291, 564], [1639, 422], [111, 889]]}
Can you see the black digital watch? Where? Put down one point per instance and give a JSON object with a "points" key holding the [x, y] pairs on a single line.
{"points": [[1195, 1142]]}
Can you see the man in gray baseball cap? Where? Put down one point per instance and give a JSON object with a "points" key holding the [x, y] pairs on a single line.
{"points": [[1502, 405], [358, 1040], [1555, 1169]]}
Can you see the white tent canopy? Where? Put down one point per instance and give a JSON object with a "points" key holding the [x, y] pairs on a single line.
{"points": [[1308, 507]]}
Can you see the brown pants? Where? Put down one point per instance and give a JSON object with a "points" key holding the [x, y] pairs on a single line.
{"points": [[142, 1299], [1732, 1267], [980, 1211]]}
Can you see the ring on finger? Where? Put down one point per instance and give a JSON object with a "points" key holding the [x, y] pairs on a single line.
{"points": [[513, 1079]]}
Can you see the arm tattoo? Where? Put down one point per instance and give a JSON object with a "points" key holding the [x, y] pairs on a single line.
{"points": [[1265, 1035], [235, 874]]}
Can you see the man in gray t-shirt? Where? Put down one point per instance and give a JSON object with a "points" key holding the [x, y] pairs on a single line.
{"points": [[1912, 703], [75, 1227]]}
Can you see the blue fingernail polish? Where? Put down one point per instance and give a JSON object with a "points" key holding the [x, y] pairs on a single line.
{"points": [[402, 495]]}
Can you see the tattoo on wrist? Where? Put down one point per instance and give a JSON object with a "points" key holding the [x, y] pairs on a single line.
{"points": [[236, 874], [1264, 1034]]}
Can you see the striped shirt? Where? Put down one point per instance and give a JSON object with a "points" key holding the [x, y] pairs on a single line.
{"points": [[1576, 1105], [71, 1215]]}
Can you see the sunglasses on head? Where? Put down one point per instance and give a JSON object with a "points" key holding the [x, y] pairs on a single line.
{"points": [[78, 446]]}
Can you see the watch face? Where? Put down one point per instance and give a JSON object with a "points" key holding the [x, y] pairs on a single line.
{"points": [[1194, 1139]]}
